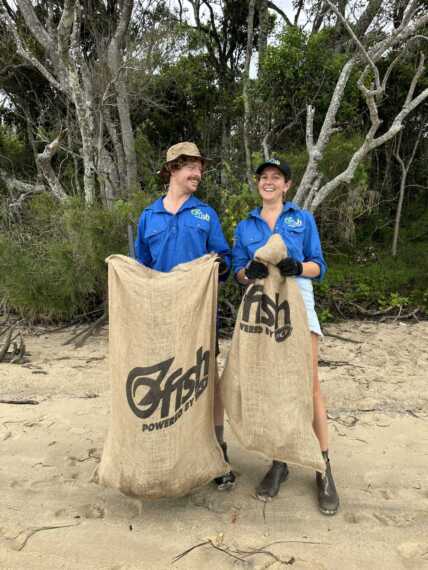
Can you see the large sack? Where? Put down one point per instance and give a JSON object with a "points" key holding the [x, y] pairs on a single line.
{"points": [[161, 441], [267, 381]]}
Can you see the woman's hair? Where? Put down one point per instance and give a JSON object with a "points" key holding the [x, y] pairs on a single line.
{"points": [[176, 164]]}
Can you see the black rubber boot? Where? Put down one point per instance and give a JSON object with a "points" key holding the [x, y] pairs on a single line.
{"points": [[271, 482], [226, 481], [327, 495]]}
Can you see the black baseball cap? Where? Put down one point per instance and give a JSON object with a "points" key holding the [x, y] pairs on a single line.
{"points": [[280, 164]]}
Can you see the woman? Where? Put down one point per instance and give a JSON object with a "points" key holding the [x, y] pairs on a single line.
{"points": [[305, 262]]}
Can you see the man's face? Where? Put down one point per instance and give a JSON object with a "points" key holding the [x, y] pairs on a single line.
{"points": [[188, 177]]}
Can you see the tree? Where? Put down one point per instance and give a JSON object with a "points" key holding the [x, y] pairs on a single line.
{"points": [[80, 50], [404, 167], [361, 56], [312, 191]]}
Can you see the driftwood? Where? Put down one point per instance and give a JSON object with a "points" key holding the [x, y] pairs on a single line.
{"points": [[346, 339], [82, 336], [242, 555], [12, 349], [22, 402], [24, 536]]}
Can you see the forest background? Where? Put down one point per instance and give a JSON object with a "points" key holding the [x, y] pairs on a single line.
{"points": [[93, 92]]}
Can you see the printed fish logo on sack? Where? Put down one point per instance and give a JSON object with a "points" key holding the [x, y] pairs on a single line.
{"points": [[261, 314], [161, 386]]}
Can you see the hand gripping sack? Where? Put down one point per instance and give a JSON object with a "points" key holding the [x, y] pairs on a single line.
{"points": [[267, 381], [161, 441]]}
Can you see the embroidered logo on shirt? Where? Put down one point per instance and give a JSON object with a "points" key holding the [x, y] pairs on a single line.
{"points": [[292, 222], [200, 215]]}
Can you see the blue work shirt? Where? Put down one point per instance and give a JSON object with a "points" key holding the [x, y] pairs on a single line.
{"points": [[296, 227], [164, 240]]}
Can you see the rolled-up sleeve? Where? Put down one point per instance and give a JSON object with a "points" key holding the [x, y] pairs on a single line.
{"points": [[312, 250], [217, 242], [239, 253]]}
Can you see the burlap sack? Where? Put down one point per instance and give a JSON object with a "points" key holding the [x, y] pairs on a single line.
{"points": [[161, 441], [267, 382]]}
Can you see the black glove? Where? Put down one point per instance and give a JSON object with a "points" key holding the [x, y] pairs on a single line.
{"points": [[256, 270], [222, 265], [289, 267]]}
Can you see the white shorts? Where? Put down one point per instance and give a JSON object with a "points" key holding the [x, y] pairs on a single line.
{"points": [[307, 291]]}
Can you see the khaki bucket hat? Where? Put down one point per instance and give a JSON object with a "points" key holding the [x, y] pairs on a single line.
{"points": [[181, 149]]}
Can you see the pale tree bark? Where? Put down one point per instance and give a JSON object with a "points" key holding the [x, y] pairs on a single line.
{"points": [[263, 32], [66, 68], [118, 71], [17, 186], [117, 145], [277, 9], [44, 162], [405, 167], [247, 110], [261, 48], [313, 190]]}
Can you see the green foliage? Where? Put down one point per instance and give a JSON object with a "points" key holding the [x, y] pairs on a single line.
{"points": [[362, 285], [14, 154], [53, 268], [186, 100], [302, 69]]}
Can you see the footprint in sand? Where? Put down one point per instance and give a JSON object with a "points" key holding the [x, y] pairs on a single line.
{"points": [[397, 520], [357, 518], [414, 551], [92, 511]]}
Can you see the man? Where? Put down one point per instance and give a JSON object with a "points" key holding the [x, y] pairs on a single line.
{"points": [[178, 228]]}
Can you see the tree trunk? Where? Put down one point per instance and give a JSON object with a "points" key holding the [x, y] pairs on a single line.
{"points": [[245, 95], [263, 33], [118, 149], [118, 73], [44, 163], [404, 172]]}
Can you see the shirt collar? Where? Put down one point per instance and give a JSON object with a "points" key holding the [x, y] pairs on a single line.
{"points": [[191, 202], [287, 206]]}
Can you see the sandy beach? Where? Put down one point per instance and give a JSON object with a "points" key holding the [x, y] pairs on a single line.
{"points": [[53, 515]]}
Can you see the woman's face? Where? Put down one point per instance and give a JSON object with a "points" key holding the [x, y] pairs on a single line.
{"points": [[272, 185]]}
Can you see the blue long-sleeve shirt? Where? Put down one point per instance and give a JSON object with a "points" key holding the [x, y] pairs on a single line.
{"points": [[297, 228], [164, 240]]}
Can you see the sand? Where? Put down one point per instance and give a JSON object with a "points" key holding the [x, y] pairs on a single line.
{"points": [[53, 515]]}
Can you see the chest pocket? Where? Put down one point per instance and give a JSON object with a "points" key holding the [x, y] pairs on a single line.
{"points": [[294, 236], [252, 240], [154, 236], [197, 229]]}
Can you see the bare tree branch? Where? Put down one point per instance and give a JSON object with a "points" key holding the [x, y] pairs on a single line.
{"points": [[278, 10], [357, 41], [404, 173], [367, 17], [44, 162]]}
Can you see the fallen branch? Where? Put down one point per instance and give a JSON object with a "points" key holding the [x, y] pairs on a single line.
{"points": [[225, 550], [23, 402], [368, 313], [183, 554], [33, 531], [410, 315], [335, 363], [6, 343], [242, 554], [346, 339], [86, 333]]}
